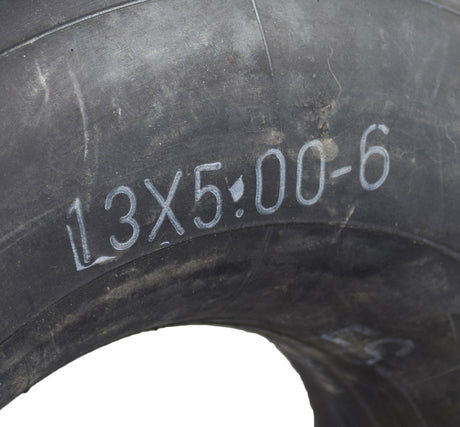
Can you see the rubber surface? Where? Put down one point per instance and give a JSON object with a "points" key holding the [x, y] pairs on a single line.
{"points": [[288, 168]]}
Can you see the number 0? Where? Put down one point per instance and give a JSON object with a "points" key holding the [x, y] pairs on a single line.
{"points": [[259, 182], [322, 173]]}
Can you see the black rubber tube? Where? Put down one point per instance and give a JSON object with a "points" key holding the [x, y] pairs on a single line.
{"points": [[289, 168]]}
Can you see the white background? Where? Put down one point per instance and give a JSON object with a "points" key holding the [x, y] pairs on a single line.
{"points": [[184, 376]]}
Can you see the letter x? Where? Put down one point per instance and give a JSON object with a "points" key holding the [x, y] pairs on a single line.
{"points": [[165, 206]]}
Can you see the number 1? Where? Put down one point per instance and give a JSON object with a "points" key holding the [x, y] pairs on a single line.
{"points": [[77, 208]]}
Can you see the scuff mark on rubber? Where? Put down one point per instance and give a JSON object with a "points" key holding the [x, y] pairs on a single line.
{"points": [[264, 39]]}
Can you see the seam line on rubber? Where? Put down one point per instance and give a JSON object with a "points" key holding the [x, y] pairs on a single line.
{"points": [[71, 23]]}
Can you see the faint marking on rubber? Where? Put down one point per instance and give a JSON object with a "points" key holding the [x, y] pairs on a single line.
{"points": [[449, 138], [81, 106], [42, 80], [333, 74], [20, 229], [71, 23], [453, 328], [348, 217], [264, 39]]}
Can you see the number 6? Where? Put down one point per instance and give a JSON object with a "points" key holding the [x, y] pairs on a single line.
{"points": [[373, 150]]}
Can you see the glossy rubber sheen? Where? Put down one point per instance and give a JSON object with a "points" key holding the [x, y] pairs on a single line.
{"points": [[290, 168]]}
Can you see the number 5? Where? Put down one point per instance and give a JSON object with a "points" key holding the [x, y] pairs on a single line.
{"points": [[201, 191]]}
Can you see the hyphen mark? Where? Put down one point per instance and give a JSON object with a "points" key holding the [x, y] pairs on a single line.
{"points": [[339, 172]]}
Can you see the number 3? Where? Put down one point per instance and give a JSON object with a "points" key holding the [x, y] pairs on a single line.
{"points": [[127, 219]]}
